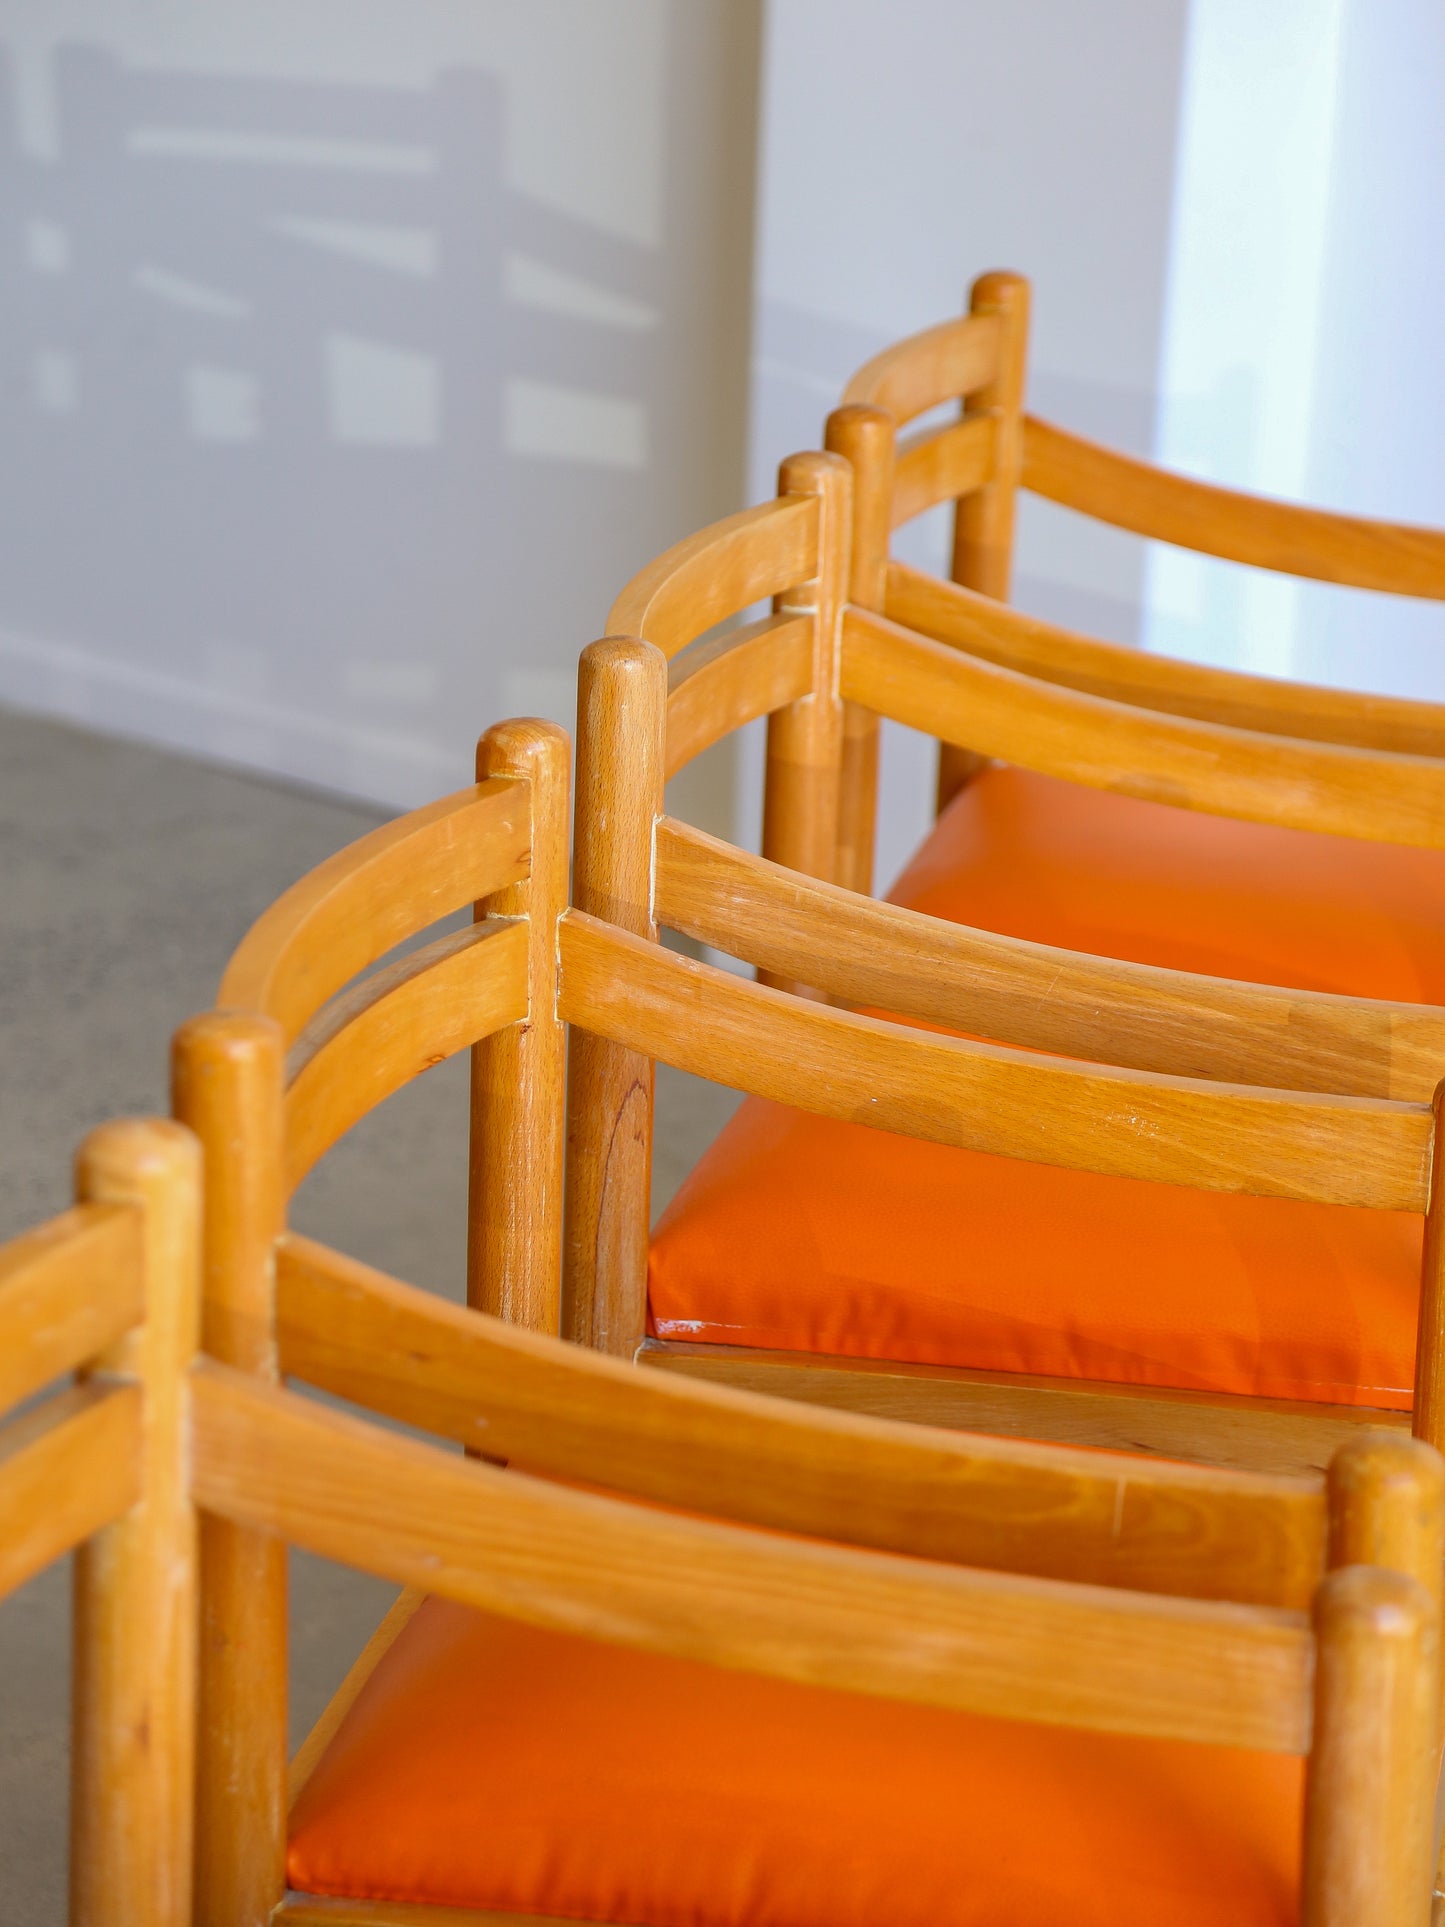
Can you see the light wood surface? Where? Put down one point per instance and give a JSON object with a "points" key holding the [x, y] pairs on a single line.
{"points": [[1210, 1428], [367, 898], [67, 1467], [1430, 1332], [399, 1022], [514, 1214], [832, 1616], [1373, 795], [1220, 1137], [133, 1708], [805, 739], [1014, 640], [718, 686], [574, 1414], [621, 728], [939, 365], [1369, 1812], [718, 572], [1255, 529], [67, 1290], [984, 515], [864, 437], [865, 952], [942, 464], [227, 1084]]}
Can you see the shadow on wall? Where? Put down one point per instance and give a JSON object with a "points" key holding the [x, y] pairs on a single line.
{"points": [[324, 444]]}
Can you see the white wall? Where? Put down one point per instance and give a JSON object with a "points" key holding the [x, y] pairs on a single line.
{"points": [[904, 150], [354, 352]]}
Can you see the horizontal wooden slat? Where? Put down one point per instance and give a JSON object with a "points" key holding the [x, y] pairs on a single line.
{"points": [[822, 1615], [67, 1290], [1125, 1123], [67, 1467], [577, 1414], [867, 952], [1130, 494], [1210, 1428], [1002, 634], [1371, 794], [717, 572], [940, 364], [397, 1024], [724, 684], [375, 894], [942, 465]]}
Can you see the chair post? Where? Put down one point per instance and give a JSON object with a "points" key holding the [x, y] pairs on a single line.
{"points": [[805, 739], [133, 1706], [621, 734], [983, 522], [1370, 1794], [1429, 1409], [514, 1215], [865, 437], [228, 1085]]}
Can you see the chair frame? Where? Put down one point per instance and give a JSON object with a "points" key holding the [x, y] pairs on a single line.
{"points": [[109, 1292], [641, 720], [982, 461], [1285, 1612]]}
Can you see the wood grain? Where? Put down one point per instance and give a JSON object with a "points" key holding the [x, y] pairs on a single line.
{"points": [[941, 464], [1079, 1005], [1014, 640], [829, 1616], [67, 1290], [67, 1467], [382, 889], [1373, 795], [721, 685], [864, 436], [573, 1414], [1255, 529], [1210, 1428], [938, 365], [397, 1023], [1371, 1152], [718, 572]]}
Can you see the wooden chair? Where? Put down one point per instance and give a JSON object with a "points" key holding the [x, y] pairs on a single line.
{"points": [[1237, 1314], [105, 1300], [686, 1652]]}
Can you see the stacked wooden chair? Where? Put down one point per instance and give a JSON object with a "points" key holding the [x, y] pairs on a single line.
{"points": [[684, 1653], [1211, 1311]]}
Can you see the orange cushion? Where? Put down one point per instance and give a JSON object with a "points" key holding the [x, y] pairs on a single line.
{"points": [[488, 1765], [805, 1234]]}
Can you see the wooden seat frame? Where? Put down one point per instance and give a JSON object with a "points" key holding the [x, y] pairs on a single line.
{"points": [[982, 460], [1288, 1613], [641, 719]]}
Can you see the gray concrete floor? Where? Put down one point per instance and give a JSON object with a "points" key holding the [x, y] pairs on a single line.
{"points": [[127, 876]]}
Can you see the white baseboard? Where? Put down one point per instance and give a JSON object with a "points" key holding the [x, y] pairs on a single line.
{"points": [[75, 686]]}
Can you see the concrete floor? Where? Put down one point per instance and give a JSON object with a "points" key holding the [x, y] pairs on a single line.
{"points": [[127, 876]]}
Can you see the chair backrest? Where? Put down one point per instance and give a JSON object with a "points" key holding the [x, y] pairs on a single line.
{"points": [[300, 1048], [106, 1299], [981, 461], [1294, 1615]]}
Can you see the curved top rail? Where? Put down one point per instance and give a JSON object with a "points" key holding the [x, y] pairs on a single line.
{"points": [[1354, 551], [383, 888], [1012, 639], [1376, 795], [720, 570], [940, 364]]}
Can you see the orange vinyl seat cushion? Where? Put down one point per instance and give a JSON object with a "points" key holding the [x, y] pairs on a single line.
{"points": [[489, 1765], [804, 1234]]}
